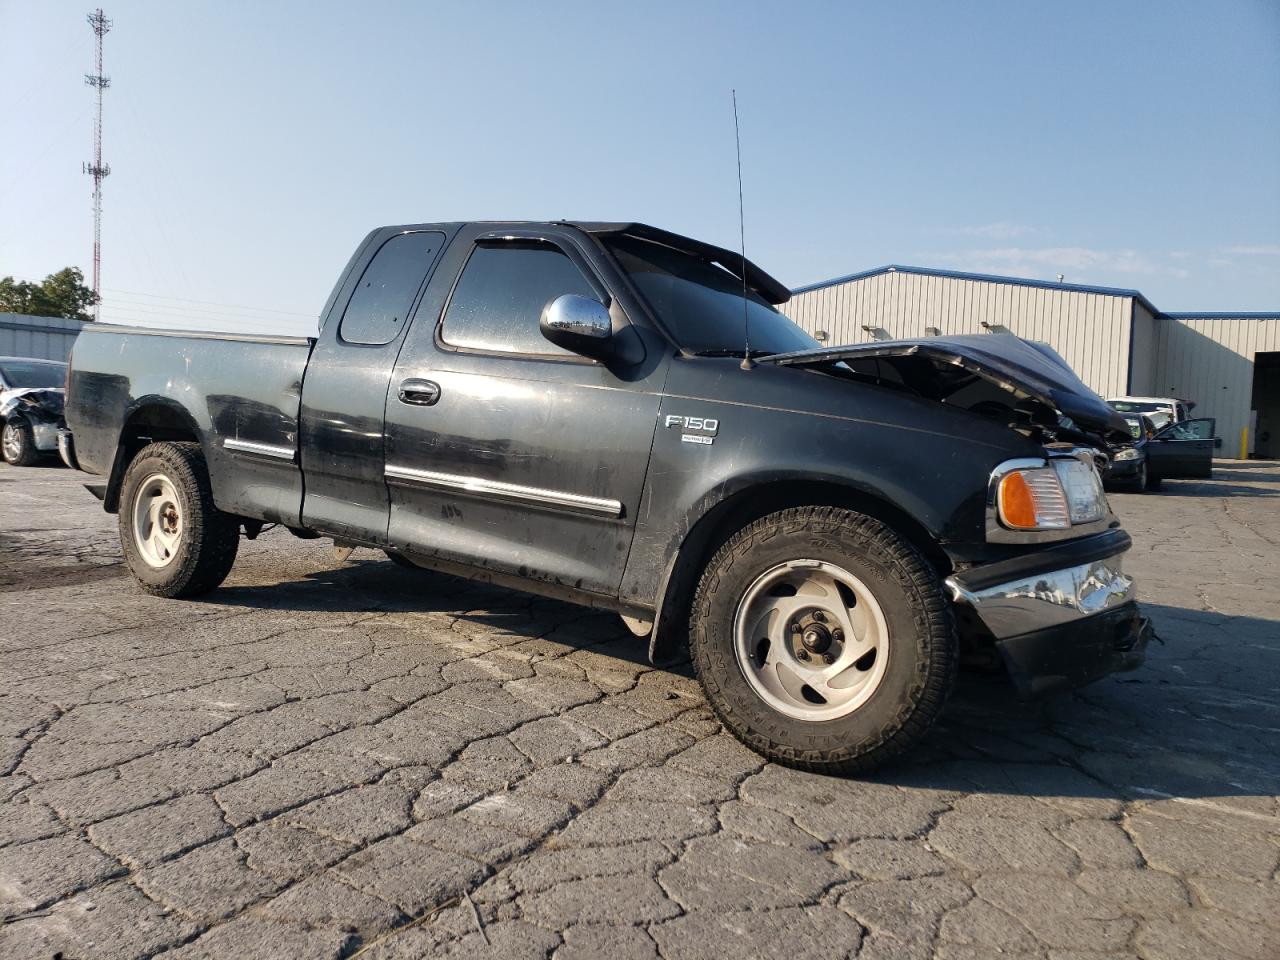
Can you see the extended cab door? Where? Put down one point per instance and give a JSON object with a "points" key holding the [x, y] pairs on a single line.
{"points": [[1182, 449], [504, 451], [344, 394]]}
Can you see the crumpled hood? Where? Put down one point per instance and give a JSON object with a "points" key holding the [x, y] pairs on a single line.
{"points": [[45, 403], [1004, 358]]}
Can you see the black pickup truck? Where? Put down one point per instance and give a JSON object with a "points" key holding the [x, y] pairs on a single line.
{"points": [[571, 409]]}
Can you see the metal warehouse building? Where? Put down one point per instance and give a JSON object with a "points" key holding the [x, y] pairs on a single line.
{"points": [[1116, 340], [47, 338]]}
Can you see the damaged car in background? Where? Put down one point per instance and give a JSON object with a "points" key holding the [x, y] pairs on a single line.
{"points": [[571, 409], [31, 408]]}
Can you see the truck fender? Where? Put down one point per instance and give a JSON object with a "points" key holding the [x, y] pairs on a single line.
{"points": [[724, 510], [147, 419]]}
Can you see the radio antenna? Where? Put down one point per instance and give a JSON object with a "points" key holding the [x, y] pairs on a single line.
{"points": [[747, 362]]}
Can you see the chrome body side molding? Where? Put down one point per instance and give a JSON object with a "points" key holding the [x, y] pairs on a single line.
{"points": [[496, 490], [262, 449]]}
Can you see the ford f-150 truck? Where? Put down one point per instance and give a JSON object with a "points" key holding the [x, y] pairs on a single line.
{"points": [[571, 409]]}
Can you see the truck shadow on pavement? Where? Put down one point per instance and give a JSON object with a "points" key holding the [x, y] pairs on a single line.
{"points": [[1196, 721], [1199, 721]]}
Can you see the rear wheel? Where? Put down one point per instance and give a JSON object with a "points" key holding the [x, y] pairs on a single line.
{"points": [[18, 444], [176, 542], [823, 639]]}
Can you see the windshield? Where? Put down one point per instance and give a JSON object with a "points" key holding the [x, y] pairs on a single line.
{"points": [[700, 303], [22, 373], [1136, 406]]}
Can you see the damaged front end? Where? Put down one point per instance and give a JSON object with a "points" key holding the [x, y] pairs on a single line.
{"points": [[1020, 383], [42, 409], [1047, 593]]}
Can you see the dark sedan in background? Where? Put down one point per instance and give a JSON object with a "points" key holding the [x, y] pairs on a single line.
{"points": [[1156, 453]]}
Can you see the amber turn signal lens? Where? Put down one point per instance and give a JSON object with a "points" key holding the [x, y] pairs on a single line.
{"points": [[1017, 504]]}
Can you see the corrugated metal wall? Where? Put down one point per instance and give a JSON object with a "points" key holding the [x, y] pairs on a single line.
{"points": [[1210, 360], [47, 338], [1142, 366], [1090, 330]]}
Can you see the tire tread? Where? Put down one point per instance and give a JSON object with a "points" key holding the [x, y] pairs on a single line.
{"points": [[933, 620], [213, 537]]}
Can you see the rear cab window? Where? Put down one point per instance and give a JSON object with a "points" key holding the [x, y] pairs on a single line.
{"points": [[379, 308]]}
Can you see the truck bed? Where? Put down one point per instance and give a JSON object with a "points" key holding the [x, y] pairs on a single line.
{"points": [[239, 395]]}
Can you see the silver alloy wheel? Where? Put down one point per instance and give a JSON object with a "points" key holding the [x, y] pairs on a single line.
{"points": [[157, 520], [12, 442], [811, 640]]}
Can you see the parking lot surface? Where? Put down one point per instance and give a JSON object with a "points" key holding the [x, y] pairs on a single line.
{"points": [[330, 760]]}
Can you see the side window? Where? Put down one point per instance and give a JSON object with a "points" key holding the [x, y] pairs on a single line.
{"points": [[1190, 430], [379, 307], [500, 295]]}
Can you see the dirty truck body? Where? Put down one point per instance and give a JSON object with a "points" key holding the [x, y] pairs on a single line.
{"points": [[565, 408]]}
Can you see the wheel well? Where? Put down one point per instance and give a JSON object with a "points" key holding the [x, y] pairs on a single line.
{"points": [[729, 516], [148, 424]]}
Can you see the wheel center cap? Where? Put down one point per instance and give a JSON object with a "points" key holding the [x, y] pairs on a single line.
{"points": [[816, 638]]}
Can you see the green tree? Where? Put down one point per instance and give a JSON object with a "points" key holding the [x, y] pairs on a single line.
{"points": [[61, 294]]}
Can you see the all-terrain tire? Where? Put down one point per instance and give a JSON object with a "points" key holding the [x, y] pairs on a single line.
{"points": [[208, 538], [19, 444], [923, 651]]}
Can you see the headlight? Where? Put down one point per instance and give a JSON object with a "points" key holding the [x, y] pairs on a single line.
{"points": [[1064, 492], [1083, 489], [1128, 453]]}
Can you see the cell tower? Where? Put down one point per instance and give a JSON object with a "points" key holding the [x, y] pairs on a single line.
{"points": [[98, 170]]}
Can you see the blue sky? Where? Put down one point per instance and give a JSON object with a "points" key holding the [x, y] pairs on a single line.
{"points": [[1132, 144]]}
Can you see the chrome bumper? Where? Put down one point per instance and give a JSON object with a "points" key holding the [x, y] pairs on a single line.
{"points": [[1047, 599]]}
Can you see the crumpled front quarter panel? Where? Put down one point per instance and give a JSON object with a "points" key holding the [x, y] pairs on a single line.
{"points": [[777, 424]]}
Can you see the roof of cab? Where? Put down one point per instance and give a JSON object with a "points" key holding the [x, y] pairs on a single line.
{"points": [[772, 289]]}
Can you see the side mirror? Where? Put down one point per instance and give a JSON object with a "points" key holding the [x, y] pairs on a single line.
{"points": [[579, 324]]}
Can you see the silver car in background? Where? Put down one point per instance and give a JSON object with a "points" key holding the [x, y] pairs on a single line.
{"points": [[32, 394]]}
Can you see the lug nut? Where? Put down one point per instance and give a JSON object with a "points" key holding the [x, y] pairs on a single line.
{"points": [[828, 659], [802, 653], [795, 628], [837, 634], [819, 616]]}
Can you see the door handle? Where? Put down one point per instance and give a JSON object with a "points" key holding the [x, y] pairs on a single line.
{"points": [[423, 393]]}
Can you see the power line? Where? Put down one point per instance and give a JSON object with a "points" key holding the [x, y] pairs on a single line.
{"points": [[211, 303], [149, 314], [153, 301]]}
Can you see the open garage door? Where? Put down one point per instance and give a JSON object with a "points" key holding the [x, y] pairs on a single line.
{"points": [[1266, 404]]}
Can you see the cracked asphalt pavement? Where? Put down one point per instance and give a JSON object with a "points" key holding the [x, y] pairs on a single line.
{"points": [[336, 760]]}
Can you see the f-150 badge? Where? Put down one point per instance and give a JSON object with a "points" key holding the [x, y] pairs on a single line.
{"points": [[695, 429]]}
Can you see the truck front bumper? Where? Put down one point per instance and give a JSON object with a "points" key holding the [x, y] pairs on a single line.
{"points": [[1060, 617]]}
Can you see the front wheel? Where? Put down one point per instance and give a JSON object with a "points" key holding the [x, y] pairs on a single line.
{"points": [[1142, 478], [176, 542], [823, 640], [18, 444]]}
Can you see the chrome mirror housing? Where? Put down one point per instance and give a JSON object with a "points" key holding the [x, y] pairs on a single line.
{"points": [[579, 324]]}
